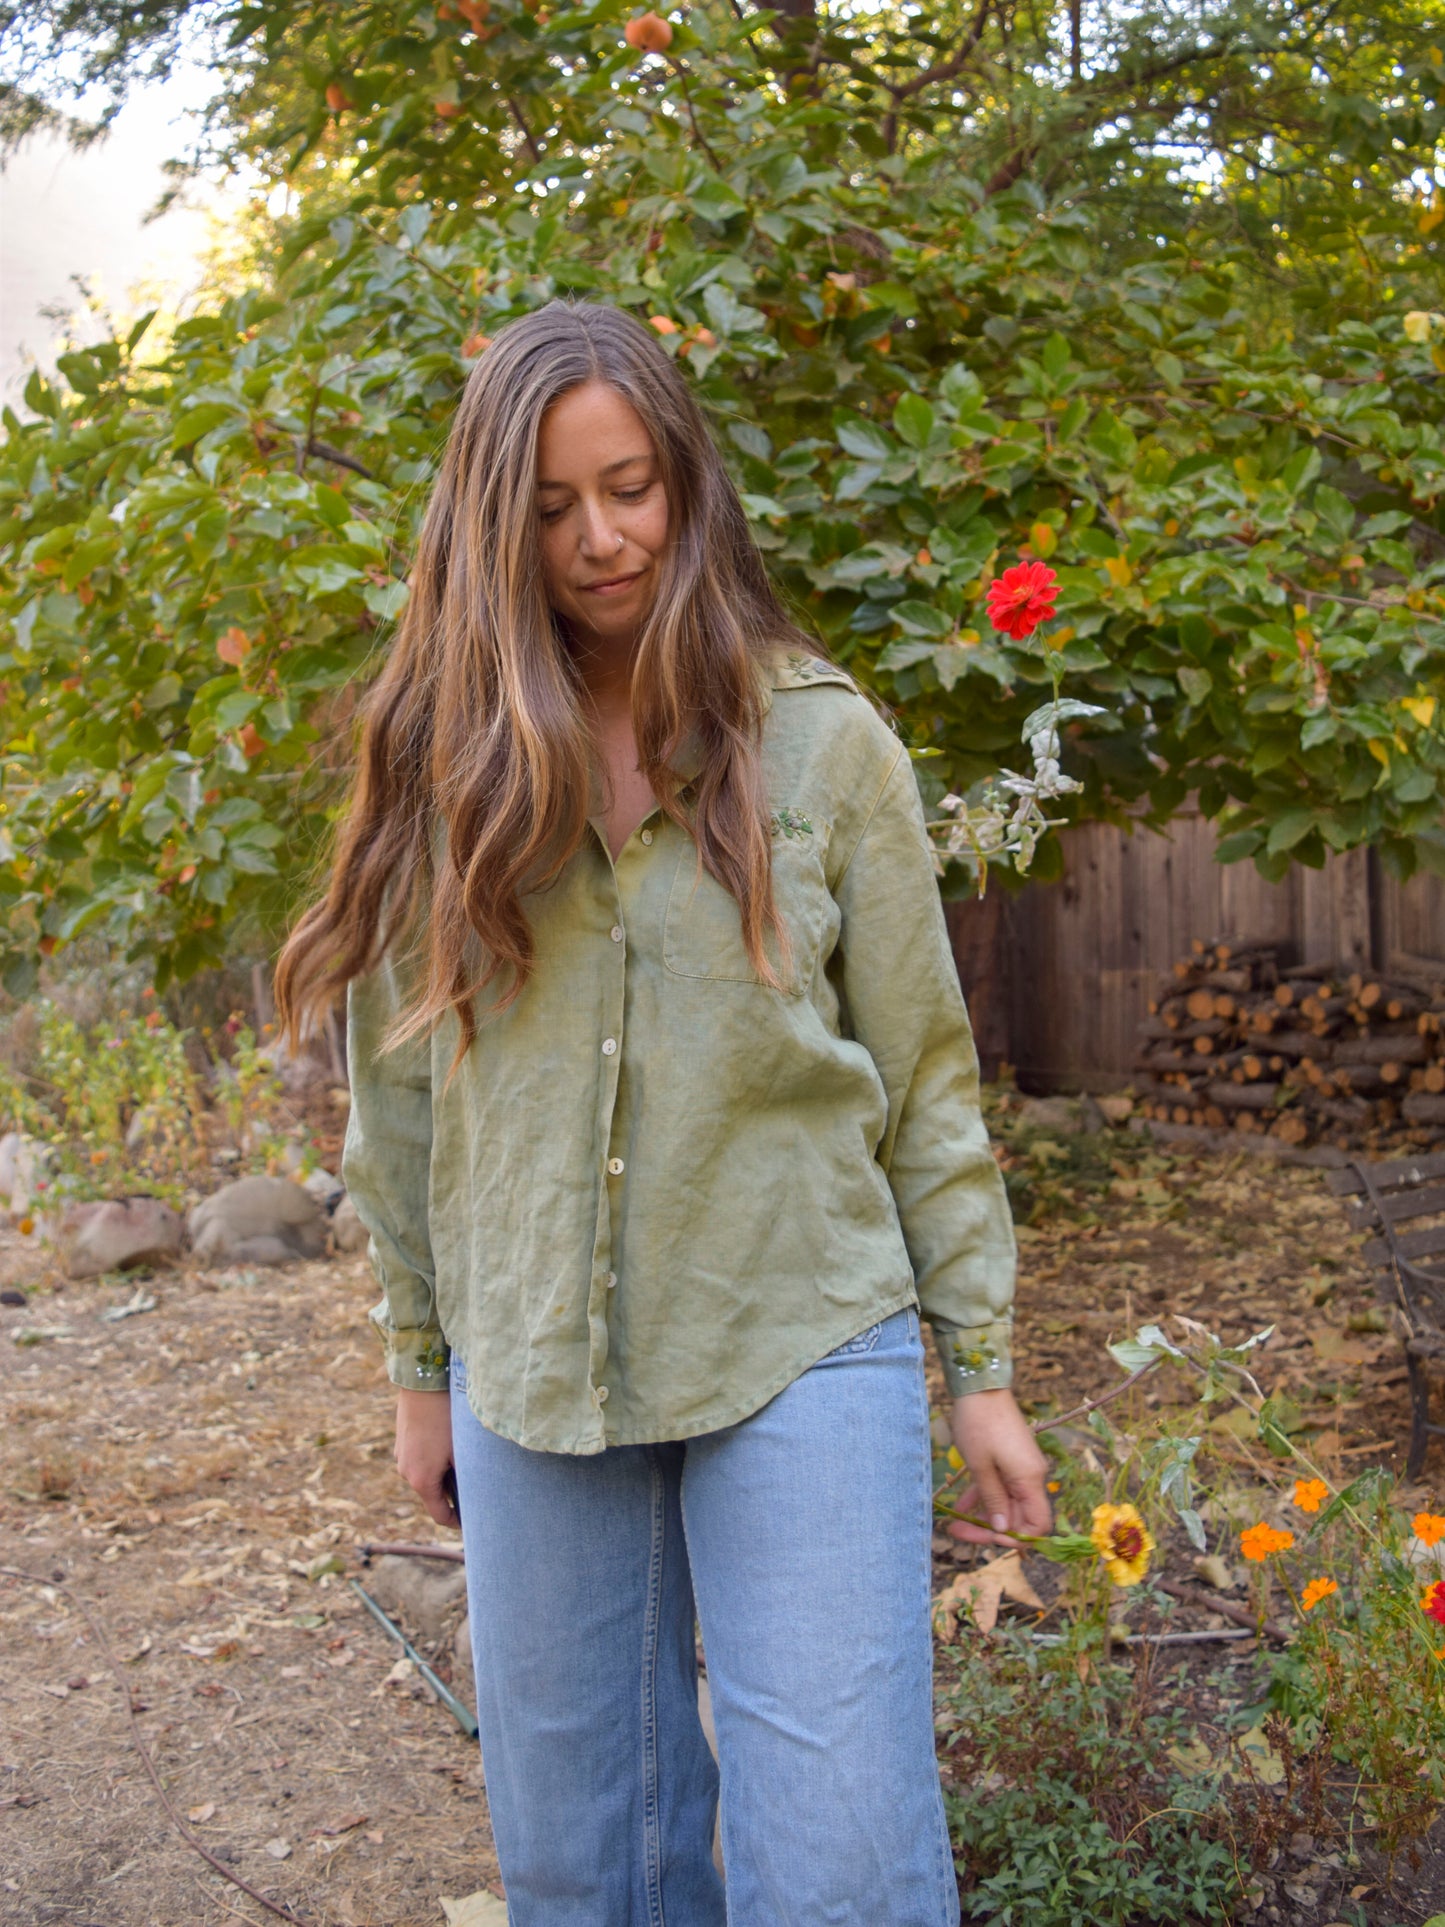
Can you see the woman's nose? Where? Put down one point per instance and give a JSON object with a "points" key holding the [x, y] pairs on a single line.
{"points": [[598, 535]]}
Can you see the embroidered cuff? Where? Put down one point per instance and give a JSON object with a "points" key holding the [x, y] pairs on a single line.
{"points": [[975, 1358], [417, 1360]]}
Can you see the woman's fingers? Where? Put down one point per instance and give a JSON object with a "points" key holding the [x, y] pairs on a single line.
{"points": [[437, 1500], [976, 1499]]}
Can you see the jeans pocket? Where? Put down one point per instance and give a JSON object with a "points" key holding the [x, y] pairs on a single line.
{"points": [[863, 1342]]}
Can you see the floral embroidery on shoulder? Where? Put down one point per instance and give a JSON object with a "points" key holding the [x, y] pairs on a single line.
{"points": [[793, 670]]}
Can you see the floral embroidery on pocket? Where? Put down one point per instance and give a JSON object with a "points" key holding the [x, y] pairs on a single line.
{"points": [[791, 823]]}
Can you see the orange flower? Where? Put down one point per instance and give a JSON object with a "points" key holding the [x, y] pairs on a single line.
{"points": [[1258, 1542], [1429, 1528], [1315, 1591], [1310, 1494], [1433, 1600]]}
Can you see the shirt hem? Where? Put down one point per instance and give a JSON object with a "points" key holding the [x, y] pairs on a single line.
{"points": [[731, 1415]]}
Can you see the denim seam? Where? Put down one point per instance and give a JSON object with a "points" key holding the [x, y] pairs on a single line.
{"points": [[947, 1876], [652, 1850]]}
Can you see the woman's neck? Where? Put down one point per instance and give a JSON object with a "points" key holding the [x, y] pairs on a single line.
{"points": [[605, 665]]}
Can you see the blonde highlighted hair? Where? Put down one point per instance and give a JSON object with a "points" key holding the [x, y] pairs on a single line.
{"points": [[476, 724]]}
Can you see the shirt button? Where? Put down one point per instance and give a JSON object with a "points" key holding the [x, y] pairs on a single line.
{"points": [[616, 933], [611, 1279], [609, 1045], [647, 836], [615, 1166], [601, 1394]]}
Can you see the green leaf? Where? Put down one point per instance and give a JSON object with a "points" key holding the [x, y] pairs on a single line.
{"points": [[716, 201], [921, 618], [913, 419], [1288, 829], [200, 421], [863, 438], [1336, 509]]}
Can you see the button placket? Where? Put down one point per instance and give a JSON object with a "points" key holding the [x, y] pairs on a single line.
{"points": [[609, 1047]]}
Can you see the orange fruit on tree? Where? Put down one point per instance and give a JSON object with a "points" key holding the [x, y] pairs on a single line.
{"points": [[663, 324], [648, 32], [474, 344], [337, 98], [251, 740], [448, 109]]}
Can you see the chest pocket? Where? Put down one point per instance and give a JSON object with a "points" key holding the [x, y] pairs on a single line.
{"points": [[703, 933]]}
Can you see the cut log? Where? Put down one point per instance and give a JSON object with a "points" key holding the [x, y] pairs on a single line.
{"points": [[1242, 1097], [1387, 1049], [1424, 1107], [1320, 1009]]}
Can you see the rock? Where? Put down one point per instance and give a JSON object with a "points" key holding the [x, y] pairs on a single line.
{"points": [[1050, 1114], [426, 1595], [348, 1233], [12, 1297], [298, 1074], [1116, 1109], [24, 1164], [146, 1128], [111, 1233], [327, 1190], [464, 1674], [257, 1221]]}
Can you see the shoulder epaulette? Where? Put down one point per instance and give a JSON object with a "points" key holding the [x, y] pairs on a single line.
{"points": [[791, 669]]}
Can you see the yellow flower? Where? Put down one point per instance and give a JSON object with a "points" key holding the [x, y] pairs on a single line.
{"points": [[1258, 1542], [1429, 1528], [1309, 1494], [1123, 1543], [1315, 1591]]}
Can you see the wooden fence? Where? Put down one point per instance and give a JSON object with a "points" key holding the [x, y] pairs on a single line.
{"points": [[1058, 975]]}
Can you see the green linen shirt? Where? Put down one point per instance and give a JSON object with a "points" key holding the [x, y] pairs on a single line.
{"points": [[659, 1189]]}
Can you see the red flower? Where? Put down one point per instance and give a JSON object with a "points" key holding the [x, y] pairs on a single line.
{"points": [[1434, 1601], [1022, 598]]}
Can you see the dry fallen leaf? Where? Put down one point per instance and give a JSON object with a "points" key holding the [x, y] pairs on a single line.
{"points": [[476, 1910], [984, 1590], [341, 1826], [279, 1849], [202, 1812]]}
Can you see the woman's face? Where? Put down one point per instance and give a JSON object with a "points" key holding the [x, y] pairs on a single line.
{"points": [[603, 512]]}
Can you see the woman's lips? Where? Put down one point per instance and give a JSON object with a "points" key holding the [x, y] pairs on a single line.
{"points": [[617, 586]]}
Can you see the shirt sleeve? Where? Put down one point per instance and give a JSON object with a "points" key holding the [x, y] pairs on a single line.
{"points": [[386, 1168], [904, 1005]]}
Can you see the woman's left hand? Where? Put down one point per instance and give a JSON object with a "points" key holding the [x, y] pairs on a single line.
{"points": [[1007, 1470]]}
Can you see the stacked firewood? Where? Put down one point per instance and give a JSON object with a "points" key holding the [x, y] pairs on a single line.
{"points": [[1236, 1038]]}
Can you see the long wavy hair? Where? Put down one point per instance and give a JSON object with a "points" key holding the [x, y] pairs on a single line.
{"points": [[477, 726]]}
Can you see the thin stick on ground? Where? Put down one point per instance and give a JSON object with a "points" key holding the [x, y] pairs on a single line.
{"points": [[98, 1632]]}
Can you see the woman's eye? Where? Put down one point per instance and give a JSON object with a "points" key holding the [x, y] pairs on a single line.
{"points": [[623, 495]]}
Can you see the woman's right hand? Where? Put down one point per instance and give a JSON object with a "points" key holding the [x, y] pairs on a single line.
{"points": [[424, 1451]]}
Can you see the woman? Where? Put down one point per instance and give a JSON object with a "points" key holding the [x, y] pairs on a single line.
{"points": [[664, 1126]]}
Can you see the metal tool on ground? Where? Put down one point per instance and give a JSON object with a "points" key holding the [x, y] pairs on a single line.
{"points": [[464, 1719]]}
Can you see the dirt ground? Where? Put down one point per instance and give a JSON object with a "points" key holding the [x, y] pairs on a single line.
{"points": [[182, 1471]]}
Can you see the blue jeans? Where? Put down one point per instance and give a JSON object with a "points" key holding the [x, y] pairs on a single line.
{"points": [[799, 1538]]}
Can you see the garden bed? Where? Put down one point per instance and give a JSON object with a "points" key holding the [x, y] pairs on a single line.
{"points": [[182, 1471]]}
